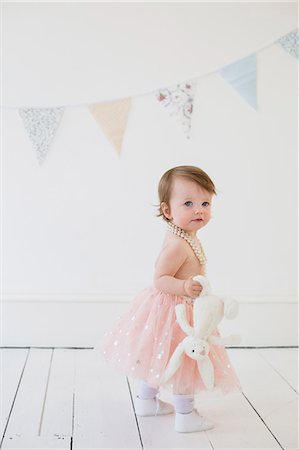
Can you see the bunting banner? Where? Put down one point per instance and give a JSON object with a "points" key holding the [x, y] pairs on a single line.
{"points": [[112, 118], [178, 101], [241, 75], [290, 43], [41, 125]]}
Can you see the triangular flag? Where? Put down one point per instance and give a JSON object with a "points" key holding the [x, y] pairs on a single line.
{"points": [[178, 100], [290, 43], [112, 118], [241, 75], [41, 124]]}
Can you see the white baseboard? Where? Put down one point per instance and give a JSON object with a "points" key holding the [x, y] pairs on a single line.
{"points": [[69, 323]]}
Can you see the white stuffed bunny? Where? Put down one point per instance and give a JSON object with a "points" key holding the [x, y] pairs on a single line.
{"points": [[208, 310]]}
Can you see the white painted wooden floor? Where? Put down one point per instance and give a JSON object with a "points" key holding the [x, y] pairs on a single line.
{"points": [[68, 399]]}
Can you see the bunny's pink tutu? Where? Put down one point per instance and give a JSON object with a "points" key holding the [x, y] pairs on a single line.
{"points": [[145, 337]]}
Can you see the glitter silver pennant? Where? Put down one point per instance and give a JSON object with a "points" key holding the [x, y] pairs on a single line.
{"points": [[41, 125], [178, 100], [290, 43]]}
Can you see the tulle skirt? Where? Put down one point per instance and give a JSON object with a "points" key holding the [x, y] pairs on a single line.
{"points": [[145, 337]]}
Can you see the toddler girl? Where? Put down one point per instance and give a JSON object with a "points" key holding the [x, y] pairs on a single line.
{"points": [[145, 337]]}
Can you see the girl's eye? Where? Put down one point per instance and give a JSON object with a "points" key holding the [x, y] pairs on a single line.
{"points": [[205, 204], [189, 203]]}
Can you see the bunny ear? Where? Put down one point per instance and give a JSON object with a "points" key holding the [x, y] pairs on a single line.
{"points": [[174, 363], [231, 307], [206, 287], [202, 319], [180, 311], [206, 371]]}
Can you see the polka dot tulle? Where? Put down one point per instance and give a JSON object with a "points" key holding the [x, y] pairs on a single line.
{"points": [[145, 337]]}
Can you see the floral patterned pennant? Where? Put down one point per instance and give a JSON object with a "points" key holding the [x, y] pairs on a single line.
{"points": [[290, 43], [41, 125], [178, 100]]}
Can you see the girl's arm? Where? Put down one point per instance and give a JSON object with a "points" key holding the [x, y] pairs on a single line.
{"points": [[169, 262]]}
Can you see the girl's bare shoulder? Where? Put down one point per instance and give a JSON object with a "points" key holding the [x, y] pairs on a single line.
{"points": [[173, 245]]}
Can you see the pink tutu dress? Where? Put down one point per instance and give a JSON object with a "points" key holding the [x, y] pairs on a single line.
{"points": [[145, 337]]}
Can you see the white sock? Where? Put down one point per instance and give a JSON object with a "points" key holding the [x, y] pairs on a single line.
{"points": [[183, 404], [146, 391]]}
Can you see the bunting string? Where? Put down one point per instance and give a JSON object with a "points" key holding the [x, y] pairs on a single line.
{"points": [[42, 123], [293, 35]]}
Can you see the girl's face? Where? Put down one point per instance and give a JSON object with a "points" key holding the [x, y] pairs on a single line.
{"points": [[189, 206]]}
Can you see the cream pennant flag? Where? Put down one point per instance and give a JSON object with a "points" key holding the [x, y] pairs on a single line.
{"points": [[178, 100], [290, 43], [41, 125], [241, 75], [112, 118]]}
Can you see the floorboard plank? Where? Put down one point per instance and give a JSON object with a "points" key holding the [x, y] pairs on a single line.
{"points": [[37, 443], [237, 426], [12, 364], [284, 361], [24, 426], [103, 412], [27, 411], [269, 394], [58, 413]]}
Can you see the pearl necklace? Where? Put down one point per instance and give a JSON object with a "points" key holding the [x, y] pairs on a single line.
{"points": [[198, 250]]}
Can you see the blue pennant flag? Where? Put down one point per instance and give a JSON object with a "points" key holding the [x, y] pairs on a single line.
{"points": [[241, 75]]}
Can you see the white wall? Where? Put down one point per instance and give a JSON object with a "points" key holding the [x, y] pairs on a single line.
{"points": [[82, 226]]}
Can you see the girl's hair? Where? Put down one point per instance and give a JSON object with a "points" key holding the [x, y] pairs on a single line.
{"points": [[192, 173]]}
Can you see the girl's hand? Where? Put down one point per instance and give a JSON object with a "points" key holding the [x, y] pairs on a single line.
{"points": [[192, 288]]}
